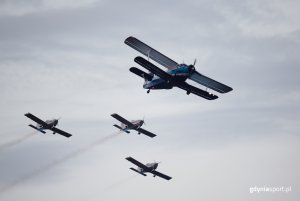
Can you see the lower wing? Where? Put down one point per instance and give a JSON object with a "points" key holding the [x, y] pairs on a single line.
{"points": [[153, 69], [199, 92], [56, 130]]}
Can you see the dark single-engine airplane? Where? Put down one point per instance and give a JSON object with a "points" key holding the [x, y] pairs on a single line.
{"points": [[44, 125], [149, 167], [131, 125], [175, 76]]}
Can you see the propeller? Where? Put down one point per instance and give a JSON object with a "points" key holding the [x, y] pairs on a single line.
{"points": [[57, 120], [144, 121], [192, 67]]}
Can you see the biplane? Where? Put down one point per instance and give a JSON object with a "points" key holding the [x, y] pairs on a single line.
{"points": [[175, 76]]}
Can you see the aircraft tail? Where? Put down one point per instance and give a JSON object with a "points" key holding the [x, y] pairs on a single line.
{"points": [[32, 126], [138, 171], [121, 129], [146, 76]]}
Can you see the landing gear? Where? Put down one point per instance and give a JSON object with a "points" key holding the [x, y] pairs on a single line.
{"points": [[148, 91], [188, 92]]}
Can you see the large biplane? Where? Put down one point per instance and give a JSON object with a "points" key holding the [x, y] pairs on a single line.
{"points": [[175, 76]]}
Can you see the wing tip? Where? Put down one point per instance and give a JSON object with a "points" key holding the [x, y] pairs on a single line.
{"points": [[129, 38], [128, 158]]}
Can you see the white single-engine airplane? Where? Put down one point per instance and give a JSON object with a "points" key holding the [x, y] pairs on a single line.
{"points": [[48, 124], [149, 167], [131, 125], [175, 76]]}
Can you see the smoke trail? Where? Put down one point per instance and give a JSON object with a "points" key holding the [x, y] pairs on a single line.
{"points": [[121, 182], [56, 162], [16, 141]]}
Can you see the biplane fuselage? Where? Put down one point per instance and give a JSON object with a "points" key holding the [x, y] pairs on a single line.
{"points": [[179, 74]]}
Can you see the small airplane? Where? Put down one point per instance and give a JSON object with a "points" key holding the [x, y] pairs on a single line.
{"points": [[133, 125], [175, 76], [149, 167], [48, 124]]}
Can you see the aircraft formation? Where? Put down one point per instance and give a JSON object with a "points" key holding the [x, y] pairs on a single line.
{"points": [[155, 79]]}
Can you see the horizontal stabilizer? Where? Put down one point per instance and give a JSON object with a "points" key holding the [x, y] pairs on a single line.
{"points": [[119, 127], [141, 73], [138, 171], [32, 126]]}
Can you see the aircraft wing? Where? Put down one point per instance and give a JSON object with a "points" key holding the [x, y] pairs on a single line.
{"points": [[137, 163], [121, 119], [145, 132], [34, 118], [210, 83], [152, 68], [199, 92], [56, 130], [150, 52], [161, 175]]}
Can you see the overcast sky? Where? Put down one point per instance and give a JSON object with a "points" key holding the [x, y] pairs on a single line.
{"points": [[63, 58]]}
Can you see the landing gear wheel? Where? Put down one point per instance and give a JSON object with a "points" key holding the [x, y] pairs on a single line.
{"points": [[148, 91], [188, 92]]}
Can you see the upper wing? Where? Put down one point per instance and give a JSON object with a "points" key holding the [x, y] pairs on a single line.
{"points": [[34, 118], [56, 130], [145, 132], [139, 164], [121, 119], [152, 68], [161, 175], [197, 91], [150, 52], [210, 83]]}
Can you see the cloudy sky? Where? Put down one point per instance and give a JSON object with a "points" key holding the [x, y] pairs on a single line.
{"points": [[63, 58]]}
